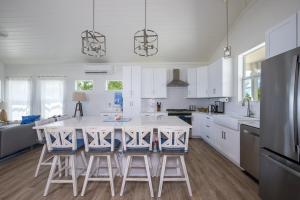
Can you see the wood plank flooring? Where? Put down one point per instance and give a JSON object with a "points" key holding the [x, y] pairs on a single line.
{"points": [[212, 177]]}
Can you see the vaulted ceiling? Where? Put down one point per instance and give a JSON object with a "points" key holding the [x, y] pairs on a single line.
{"points": [[45, 31]]}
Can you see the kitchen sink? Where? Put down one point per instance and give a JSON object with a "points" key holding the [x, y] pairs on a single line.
{"points": [[233, 122]]}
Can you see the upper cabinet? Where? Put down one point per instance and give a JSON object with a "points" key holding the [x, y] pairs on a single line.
{"points": [[198, 82], [220, 78], [192, 81], [154, 83], [202, 82], [283, 37], [131, 91]]}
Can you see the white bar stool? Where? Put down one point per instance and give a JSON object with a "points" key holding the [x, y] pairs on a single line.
{"points": [[43, 160], [137, 142], [173, 142], [62, 142], [101, 142]]}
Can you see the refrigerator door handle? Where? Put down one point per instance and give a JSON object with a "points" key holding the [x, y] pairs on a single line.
{"points": [[297, 131], [280, 164], [293, 98]]}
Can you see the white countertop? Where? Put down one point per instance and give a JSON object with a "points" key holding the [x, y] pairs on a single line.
{"points": [[255, 124], [154, 122]]}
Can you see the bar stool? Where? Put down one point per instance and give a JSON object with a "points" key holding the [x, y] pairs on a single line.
{"points": [[43, 161], [101, 142], [173, 142], [137, 142], [63, 142]]}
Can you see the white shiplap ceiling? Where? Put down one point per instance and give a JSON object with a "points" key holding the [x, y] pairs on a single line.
{"points": [[44, 31]]}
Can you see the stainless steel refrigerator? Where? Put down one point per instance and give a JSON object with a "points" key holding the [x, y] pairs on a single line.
{"points": [[280, 127]]}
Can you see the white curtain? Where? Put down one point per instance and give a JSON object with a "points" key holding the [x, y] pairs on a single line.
{"points": [[51, 97], [18, 97]]}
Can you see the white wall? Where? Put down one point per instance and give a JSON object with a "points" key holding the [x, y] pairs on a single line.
{"points": [[249, 31], [99, 99], [2, 77]]}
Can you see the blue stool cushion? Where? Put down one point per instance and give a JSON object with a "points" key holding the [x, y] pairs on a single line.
{"points": [[173, 150], [117, 144], [80, 143], [137, 150]]}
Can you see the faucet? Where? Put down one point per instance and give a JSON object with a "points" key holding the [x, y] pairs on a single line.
{"points": [[249, 112]]}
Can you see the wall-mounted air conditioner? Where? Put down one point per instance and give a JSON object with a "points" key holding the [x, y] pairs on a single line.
{"points": [[98, 69]]}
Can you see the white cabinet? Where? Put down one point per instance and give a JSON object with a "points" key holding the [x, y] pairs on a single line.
{"points": [[192, 81], [131, 91], [220, 81], [198, 82], [202, 82], [154, 83], [282, 37], [227, 141]]}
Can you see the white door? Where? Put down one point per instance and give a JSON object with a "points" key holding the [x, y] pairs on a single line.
{"points": [[282, 37], [160, 83], [202, 82], [147, 83], [196, 128], [212, 78], [298, 32], [192, 81]]}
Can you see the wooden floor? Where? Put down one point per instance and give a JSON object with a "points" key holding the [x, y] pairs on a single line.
{"points": [[211, 175]]}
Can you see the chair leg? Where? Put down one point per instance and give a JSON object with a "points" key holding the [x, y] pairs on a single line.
{"points": [[163, 169], [159, 167], [87, 175], [84, 159], [150, 165], [50, 177], [59, 167], [118, 164], [128, 160], [111, 178], [74, 178], [186, 176], [66, 166], [43, 153], [146, 158]]}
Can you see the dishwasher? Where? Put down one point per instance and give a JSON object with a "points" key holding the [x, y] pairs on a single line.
{"points": [[249, 157]]}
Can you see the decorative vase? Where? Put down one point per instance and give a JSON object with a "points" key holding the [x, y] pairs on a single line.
{"points": [[3, 116]]}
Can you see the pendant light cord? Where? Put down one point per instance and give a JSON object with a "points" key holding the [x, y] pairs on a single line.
{"points": [[145, 14], [227, 23], [94, 16]]}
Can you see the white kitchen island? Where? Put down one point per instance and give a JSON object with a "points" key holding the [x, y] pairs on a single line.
{"points": [[142, 121]]}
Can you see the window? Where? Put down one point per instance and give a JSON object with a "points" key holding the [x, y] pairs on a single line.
{"points": [[52, 97], [114, 85], [251, 72], [84, 85], [18, 97]]}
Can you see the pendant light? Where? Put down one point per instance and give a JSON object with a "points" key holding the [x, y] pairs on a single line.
{"points": [[227, 49], [146, 40], [93, 43]]}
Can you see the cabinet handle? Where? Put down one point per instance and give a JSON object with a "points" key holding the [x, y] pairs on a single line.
{"points": [[224, 135], [207, 118], [207, 126], [207, 136]]}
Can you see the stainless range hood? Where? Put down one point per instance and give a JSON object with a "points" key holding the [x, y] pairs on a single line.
{"points": [[176, 82]]}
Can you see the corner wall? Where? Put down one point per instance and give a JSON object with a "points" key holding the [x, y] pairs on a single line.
{"points": [[249, 31]]}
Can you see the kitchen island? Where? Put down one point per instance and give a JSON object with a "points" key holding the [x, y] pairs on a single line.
{"points": [[142, 121]]}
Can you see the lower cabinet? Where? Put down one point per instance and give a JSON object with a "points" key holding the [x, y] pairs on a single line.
{"points": [[227, 141], [223, 139]]}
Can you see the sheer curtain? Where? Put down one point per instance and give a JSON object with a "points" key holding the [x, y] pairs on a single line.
{"points": [[18, 97], [51, 97]]}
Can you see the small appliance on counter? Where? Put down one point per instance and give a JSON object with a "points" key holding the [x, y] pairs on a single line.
{"points": [[158, 106], [218, 107]]}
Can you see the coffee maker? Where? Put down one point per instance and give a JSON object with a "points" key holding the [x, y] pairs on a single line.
{"points": [[219, 107]]}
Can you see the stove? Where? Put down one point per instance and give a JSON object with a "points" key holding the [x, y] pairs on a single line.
{"points": [[184, 114]]}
